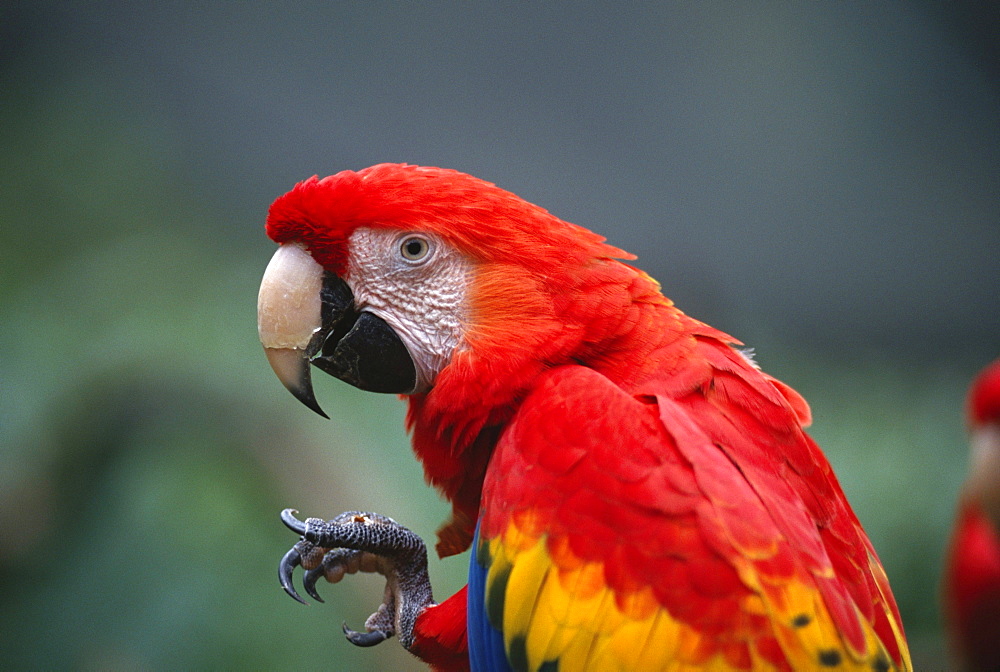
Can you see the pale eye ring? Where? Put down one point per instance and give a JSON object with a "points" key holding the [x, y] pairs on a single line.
{"points": [[414, 248]]}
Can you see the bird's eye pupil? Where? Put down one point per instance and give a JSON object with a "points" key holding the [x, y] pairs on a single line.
{"points": [[415, 248]]}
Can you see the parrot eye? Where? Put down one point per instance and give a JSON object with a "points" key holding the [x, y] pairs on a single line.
{"points": [[414, 248]]}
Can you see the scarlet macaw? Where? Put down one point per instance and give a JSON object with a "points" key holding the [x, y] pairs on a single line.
{"points": [[636, 492], [972, 570]]}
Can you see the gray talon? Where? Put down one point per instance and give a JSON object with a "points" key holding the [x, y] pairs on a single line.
{"points": [[364, 638], [289, 562], [309, 579], [293, 523]]}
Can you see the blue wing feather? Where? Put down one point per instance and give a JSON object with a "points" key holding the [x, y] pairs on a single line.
{"points": [[486, 647]]}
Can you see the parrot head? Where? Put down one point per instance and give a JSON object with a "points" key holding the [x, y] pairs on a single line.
{"points": [[983, 418], [983, 405], [385, 277]]}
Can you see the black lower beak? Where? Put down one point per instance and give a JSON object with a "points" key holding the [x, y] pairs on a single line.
{"points": [[359, 348], [370, 357]]}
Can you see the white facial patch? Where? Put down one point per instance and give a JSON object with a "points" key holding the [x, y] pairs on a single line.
{"points": [[417, 284]]}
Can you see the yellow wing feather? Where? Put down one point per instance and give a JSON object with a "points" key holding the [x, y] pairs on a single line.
{"points": [[557, 608]]}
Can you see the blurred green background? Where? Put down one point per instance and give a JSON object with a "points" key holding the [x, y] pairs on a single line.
{"points": [[820, 180]]}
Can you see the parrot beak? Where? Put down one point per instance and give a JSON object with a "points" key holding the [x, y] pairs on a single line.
{"points": [[306, 315], [289, 314]]}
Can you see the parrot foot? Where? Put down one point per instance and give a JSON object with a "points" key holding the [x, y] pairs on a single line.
{"points": [[353, 542]]}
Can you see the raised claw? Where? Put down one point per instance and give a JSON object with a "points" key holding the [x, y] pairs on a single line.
{"points": [[293, 523], [289, 562], [356, 541], [364, 638]]}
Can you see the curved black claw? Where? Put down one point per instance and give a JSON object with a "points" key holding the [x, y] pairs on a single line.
{"points": [[309, 578], [364, 638], [289, 562], [293, 523]]}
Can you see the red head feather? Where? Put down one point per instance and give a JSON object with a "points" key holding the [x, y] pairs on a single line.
{"points": [[476, 216]]}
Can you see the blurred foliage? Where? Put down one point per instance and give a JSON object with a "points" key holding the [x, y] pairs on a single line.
{"points": [[147, 450], [146, 447]]}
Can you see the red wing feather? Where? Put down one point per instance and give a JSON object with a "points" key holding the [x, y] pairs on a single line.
{"points": [[673, 497]]}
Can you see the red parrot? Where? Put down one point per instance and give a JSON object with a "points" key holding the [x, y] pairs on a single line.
{"points": [[972, 570], [636, 492]]}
